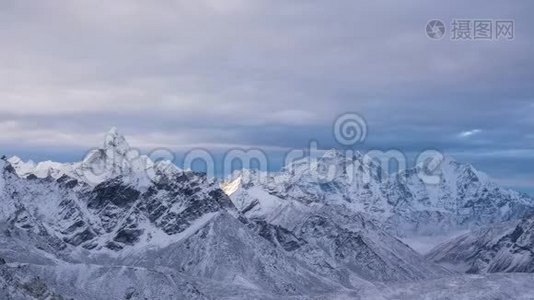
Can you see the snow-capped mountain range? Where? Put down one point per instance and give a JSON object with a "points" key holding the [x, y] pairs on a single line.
{"points": [[120, 226], [403, 203], [114, 159]]}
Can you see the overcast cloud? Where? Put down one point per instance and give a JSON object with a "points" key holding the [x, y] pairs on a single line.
{"points": [[267, 74]]}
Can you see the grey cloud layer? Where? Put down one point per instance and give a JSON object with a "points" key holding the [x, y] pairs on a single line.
{"points": [[265, 73]]}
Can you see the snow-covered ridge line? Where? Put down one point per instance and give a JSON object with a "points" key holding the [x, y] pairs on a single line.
{"points": [[109, 201], [463, 198], [404, 202], [114, 158]]}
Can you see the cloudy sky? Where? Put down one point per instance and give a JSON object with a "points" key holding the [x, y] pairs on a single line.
{"points": [[266, 74]]}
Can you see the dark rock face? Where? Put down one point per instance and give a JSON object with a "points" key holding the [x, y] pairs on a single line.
{"points": [[7, 167], [68, 182], [32, 177], [114, 246], [81, 237], [112, 192], [77, 225], [128, 236], [173, 203], [221, 198], [514, 236], [278, 236]]}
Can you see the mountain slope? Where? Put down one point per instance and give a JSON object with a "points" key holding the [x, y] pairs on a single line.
{"points": [[341, 244], [172, 219], [464, 198], [507, 247]]}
